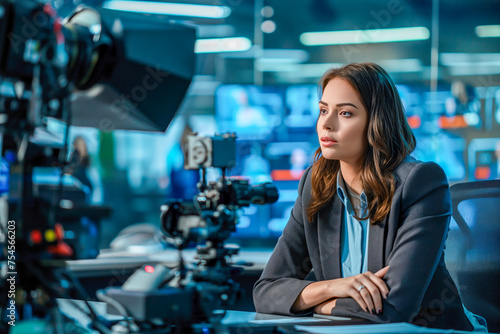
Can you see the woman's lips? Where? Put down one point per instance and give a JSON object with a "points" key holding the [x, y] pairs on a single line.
{"points": [[327, 141]]}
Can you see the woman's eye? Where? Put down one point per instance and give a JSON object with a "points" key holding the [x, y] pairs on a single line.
{"points": [[346, 113], [323, 111]]}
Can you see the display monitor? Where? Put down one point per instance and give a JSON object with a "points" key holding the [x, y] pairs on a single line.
{"points": [[253, 112], [446, 150]]}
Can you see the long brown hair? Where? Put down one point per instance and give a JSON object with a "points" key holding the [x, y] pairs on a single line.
{"points": [[390, 140]]}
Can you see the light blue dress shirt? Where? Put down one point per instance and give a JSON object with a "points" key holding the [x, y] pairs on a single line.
{"points": [[354, 239]]}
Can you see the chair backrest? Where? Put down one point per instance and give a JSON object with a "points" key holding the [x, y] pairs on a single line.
{"points": [[476, 211]]}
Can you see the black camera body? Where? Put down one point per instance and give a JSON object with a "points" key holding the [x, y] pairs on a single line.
{"points": [[214, 211], [25, 30], [65, 55]]}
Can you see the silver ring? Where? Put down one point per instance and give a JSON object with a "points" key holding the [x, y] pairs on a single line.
{"points": [[361, 287]]}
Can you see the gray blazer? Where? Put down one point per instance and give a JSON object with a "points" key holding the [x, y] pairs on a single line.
{"points": [[410, 240]]}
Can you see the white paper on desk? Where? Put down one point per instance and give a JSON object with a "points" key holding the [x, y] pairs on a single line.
{"points": [[290, 320], [330, 317], [401, 327]]}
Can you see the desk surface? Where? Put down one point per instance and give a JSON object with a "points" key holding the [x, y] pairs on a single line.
{"points": [[170, 257], [251, 322]]}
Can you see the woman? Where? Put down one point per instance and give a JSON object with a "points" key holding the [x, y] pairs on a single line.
{"points": [[370, 221], [79, 162]]}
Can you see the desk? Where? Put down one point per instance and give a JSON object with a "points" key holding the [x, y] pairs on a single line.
{"points": [[240, 322], [251, 322], [118, 267], [113, 268], [108, 260]]}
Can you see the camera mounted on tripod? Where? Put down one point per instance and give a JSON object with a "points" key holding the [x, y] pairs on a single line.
{"points": [[185, 296], [214, 211]]}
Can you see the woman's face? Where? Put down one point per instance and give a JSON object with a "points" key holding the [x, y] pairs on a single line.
{"points": [[342, 123], [81, 147]]}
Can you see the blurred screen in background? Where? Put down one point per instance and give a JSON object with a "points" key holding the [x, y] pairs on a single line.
{"points": [[276, 129]]}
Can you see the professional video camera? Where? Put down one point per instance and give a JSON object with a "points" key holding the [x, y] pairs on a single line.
{"points": [[185, 296], [213, 213], [98, 68]]}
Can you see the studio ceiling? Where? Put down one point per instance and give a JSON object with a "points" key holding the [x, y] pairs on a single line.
{"points": [[282, 58]]}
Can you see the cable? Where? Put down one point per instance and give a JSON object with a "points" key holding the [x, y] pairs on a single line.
{"points": [[96, 321], [57, 320], [54, 291], [119, 307], [168, 278]]}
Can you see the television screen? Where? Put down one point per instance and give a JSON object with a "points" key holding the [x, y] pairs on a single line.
{"points": [[412, 102], [497, 106], [253, 112], [446, 150], [282, 163], [301, 106], [453, 107], [484, 158], [4, 176], [281, 150]]}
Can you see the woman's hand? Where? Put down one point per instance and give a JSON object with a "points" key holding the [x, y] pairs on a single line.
{"points": [[325, 307], [321, 294], [367, 289]]}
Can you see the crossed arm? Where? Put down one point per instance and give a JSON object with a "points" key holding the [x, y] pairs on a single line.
{"points": [[367, 289]]}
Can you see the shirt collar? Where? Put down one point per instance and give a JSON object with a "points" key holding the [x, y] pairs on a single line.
{"points": [[341, 188], [342, 192]]}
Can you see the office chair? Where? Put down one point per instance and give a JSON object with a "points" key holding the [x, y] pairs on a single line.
{"points": [[475, 247]]}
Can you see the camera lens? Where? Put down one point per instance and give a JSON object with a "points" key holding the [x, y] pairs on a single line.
{"points": [[265, 193]]}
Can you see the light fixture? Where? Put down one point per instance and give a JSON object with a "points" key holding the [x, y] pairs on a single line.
{"points": [[365, 36], [403, 65], [474, 70], [268, 26], [488, 30], [230, 44], [298, 70], [267, 11], [463, 64], [176, 9], [460, 59], [283, 56]]}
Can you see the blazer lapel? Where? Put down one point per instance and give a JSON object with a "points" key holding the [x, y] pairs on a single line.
{"points": [[376, 246], [329, 236]]}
